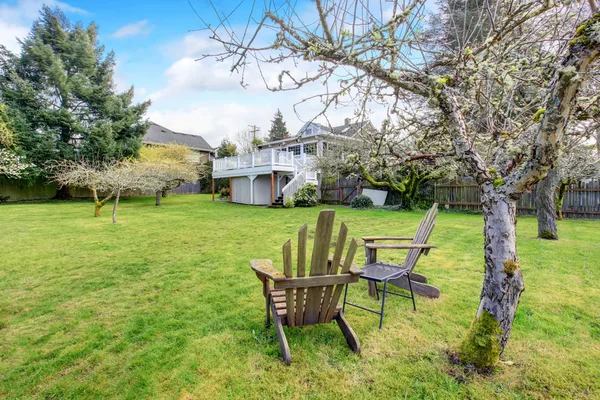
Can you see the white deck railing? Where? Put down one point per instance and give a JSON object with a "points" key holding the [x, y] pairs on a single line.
{"points": [[258, 159]]}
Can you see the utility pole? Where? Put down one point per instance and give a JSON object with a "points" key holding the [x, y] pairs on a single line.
{"points": [[254, 129]]}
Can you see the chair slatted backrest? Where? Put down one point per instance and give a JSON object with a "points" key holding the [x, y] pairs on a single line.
{"points": [[317, 304], [421, 236]]}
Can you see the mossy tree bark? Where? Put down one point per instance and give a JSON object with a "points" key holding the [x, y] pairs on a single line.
{"points": [[545, 203], [408, 188], [98, 204], [502, 285]]}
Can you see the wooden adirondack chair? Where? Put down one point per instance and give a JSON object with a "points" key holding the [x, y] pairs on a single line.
{"points": [[417, 247], [313, 299]]}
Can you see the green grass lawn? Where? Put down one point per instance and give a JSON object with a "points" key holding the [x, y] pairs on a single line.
{"points": [[163, 304]]}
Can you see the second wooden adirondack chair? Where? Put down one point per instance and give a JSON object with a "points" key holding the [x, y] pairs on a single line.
{"points": [[399, 275], [312, 299]]}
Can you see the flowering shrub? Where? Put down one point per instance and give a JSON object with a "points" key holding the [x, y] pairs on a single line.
{"points": [[306, 196], [12, 165]]}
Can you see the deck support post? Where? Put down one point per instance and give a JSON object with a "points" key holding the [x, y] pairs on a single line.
{"points": [[272, 188], [252, 178], [230, 190], [213, 189]]}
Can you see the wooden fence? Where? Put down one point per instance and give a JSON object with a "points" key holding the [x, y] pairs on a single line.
{"points": [[582, 200], [41, 190], [342, 191]]}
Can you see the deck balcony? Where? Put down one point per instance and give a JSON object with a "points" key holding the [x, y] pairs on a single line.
{"points": [[261, 163]]}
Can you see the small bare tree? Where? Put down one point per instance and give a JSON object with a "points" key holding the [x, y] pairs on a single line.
{"points": [[476, 78], [86, 175], [248, 139], [112, 178]]}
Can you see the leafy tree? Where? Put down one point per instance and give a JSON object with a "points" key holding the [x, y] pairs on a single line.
{"points": [[62, 90], [169, 166], [12, 165], [226, 149], [278, 129], [474, 99]]}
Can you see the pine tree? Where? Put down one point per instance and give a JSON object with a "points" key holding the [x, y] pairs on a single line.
{"points": [[278, 129], [62, 92]]}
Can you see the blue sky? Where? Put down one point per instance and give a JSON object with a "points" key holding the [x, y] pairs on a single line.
{"points": [[156, 50]]}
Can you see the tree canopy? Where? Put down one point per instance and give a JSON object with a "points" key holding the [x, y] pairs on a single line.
{"points": [[226, 149], [63, 98]]}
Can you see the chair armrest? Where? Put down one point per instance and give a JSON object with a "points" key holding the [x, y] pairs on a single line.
{"points": [[354, 270], [424, 246], [264, 268], [374, 238]]}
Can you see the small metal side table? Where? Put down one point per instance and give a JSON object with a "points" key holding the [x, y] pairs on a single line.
{"points": [[381, 272]]}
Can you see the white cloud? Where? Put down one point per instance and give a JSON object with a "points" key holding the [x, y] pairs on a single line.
{"points": [[226, 107], [212, 121], [16, 20], [134, 29]]}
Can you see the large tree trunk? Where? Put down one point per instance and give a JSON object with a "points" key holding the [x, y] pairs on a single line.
{"points": [[158, 196], [502, 285], [114, 217], [545, 203]]}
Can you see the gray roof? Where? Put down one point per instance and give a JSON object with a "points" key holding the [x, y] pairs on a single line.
{"points": [[351, 129], [157, 134]]}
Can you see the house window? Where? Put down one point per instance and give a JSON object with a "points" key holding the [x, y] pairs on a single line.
{"points": [[294, 149], [310, 148], [329, 147]]}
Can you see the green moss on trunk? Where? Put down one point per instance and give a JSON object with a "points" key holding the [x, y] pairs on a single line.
{"points": [[510, 267], [548, 235], [481, 347]]}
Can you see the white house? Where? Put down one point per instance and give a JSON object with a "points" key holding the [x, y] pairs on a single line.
{"points": [[278, 169]]}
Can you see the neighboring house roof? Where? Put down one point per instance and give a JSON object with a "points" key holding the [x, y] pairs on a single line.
{"points": [[351, 129], [348, 129], [158, 134]]}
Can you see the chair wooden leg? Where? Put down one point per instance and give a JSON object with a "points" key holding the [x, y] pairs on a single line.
{"points": [[349, 334], [268, 308], [283, 344]]}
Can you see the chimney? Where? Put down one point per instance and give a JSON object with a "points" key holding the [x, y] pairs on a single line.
{"points": [[346, 121]]}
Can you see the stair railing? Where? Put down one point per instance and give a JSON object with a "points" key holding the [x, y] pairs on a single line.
{"points": [[292, 187]]}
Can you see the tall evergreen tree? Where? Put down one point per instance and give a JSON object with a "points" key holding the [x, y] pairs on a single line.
{"points": [[62, 92], [278, 129]]}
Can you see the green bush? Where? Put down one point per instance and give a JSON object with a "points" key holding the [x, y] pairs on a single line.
{"points": [[306, 196], [361, 202], [288, 203], [224, 193]]}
